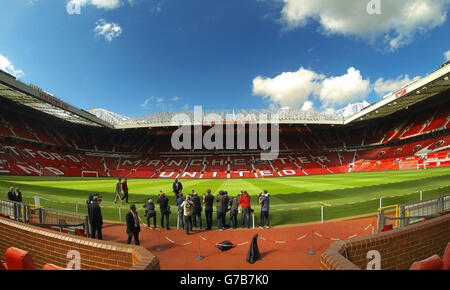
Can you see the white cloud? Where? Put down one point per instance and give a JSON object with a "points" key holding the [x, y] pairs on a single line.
{"points": [[102, 4], [108, 30], [162, 104], [447, 55], [329, 111], [396, 26], [382, 86], [158, 5], [295, 88], [8, 67], [344, 89], [289, 88], [144, 105], [156, 101], [308, 106]]}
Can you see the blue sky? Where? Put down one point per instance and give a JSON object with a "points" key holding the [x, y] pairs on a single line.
{"points": [[136, 57]]}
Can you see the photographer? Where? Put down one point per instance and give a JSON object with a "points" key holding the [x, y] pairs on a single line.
{"points": [[208, 200], [180, 200], [91, 198], [150, 212], [188, 209], [234, 209], [222, 208], [264, 201], [197, 210], [244, 200], [164, 207]]}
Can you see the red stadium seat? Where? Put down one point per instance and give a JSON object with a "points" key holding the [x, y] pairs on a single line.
{"points": [[446, 258], [79, 232], [432, 263], [5, 216], [51, 267], [17, 259], [3, 266], [387, 228]]}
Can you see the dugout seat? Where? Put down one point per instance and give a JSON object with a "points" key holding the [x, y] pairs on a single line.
{"points": [[79, 232], [432, 263], [51, 267], [387, 228], [446, 258], [17, 259]]}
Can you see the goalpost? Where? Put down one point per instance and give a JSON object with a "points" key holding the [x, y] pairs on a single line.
{"points": [[89, 174], [433, 162], [408, 164]]}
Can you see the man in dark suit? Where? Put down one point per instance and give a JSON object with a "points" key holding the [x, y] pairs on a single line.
{"points": [[177, 187], [95, 218], [197, 210], [222, 208], [11, 194], [164, 207], [12, 197], [208, 200], [133, 227], [18, 195]]}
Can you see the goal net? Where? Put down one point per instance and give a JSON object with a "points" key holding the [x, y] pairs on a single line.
{"points": [[408, 164], [89, 173], [434, 163]]}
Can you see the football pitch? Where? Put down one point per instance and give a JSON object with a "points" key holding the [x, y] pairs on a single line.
{"points": [[294, 200]]}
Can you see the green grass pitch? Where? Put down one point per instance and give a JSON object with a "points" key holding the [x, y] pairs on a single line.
{"points": [[293, 199]]}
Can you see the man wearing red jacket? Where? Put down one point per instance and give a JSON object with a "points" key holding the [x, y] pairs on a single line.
{"points": [[244, 200]]}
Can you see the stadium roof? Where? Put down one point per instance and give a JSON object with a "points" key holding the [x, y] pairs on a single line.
{"points": [[413, 93], [169, 119], [36, 98]]}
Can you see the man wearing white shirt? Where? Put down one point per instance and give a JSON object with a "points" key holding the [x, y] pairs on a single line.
{"points": [[118, 190]]}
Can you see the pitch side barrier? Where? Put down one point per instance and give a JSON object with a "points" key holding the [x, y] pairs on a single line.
{"points": [[14, 210], [44, 217], [414, 212]]}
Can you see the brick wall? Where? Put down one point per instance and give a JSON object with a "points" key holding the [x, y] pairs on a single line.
{"points": [[47, 246], [398, 248]]}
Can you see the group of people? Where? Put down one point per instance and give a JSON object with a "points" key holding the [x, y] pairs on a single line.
{"points": [[190, 209], [121, 187], [191, 206], [14, 195], [231, 204], [96, 220]]}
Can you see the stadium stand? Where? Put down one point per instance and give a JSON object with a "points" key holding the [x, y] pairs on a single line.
{"points": [[28, 247], [17, 259], [38, 142]]}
